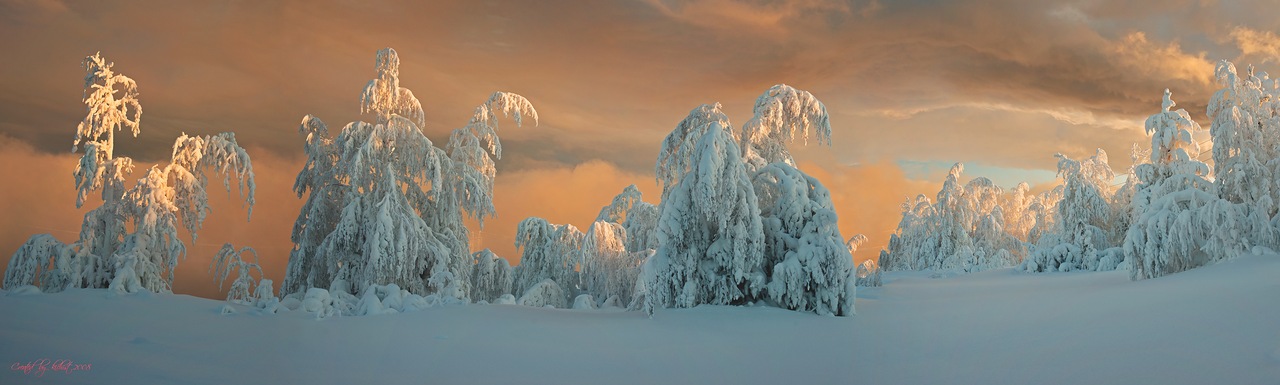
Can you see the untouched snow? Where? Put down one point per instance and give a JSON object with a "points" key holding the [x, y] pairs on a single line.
{"points": [[1218, 324]]}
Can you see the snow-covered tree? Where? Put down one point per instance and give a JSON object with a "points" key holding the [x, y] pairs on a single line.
{"points": [[229, 259], [107, 254], [386, 205], [1246, 137], [548, 252], [491, 278], [637, 217], [1180, 222], [780, 114], [710, 234], [608, 269], [963, 230], [805, 257], [1083, 229]]}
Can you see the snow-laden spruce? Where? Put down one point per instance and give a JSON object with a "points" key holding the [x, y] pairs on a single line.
{"points": [[166, 197], [964, 230], [1181, 222], [1086, 235], [385, 205]]}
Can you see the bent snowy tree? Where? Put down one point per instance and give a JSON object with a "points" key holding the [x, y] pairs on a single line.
{"points": [[385, 205], [107, 254]]}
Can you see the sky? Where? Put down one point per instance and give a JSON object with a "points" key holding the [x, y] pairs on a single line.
{"points": [[911, 86]]}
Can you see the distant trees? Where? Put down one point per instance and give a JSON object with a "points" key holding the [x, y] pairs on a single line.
{"points": [[1083, 235], [107, 253], [965, 229]]}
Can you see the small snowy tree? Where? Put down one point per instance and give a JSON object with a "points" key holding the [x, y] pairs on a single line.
{"points": [[229, 259], [1085, 219], [491, 278], [637, 217], [608, 269], [548, 252]]}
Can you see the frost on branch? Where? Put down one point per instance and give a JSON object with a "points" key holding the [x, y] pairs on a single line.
{"points": [[805, 257], [781, 114], [676, 157], [383, 96]]}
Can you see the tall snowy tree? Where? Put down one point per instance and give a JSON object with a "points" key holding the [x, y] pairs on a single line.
{"points": [[709, 230], [1181, 223], [386, 205], [1246, 128], [107, 254]]}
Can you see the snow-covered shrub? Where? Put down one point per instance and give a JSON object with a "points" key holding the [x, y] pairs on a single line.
{"points": [[805, 257], [545, 293], [584, 302], [639, 218], [319, 302], [386, 205], [491, 277], [505, 299], [31, 264]]}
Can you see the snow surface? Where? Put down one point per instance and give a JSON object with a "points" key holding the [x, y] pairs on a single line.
{"points": [[1216, 324]]}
